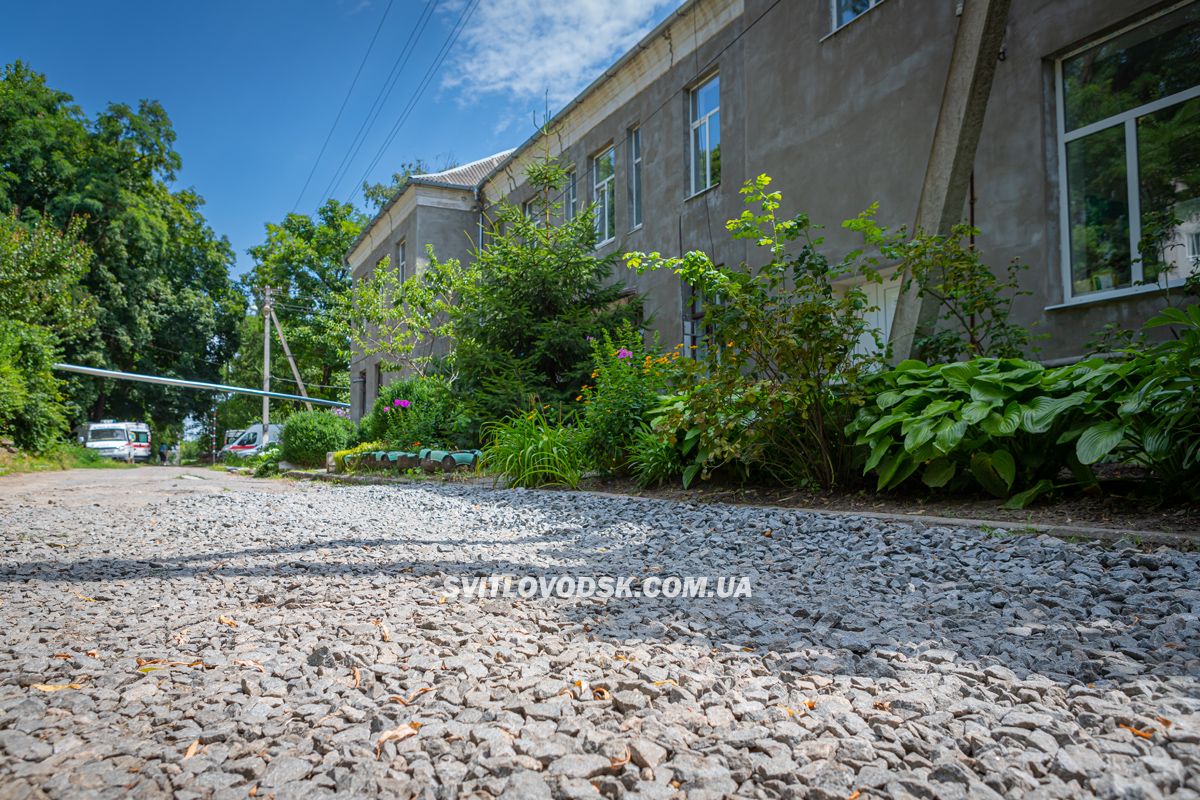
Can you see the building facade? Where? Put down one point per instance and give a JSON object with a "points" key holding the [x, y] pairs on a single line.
{"points": [[1087, 167]]}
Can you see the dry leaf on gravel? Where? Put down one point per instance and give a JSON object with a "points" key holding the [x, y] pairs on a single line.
{"points": [[404, 702], [1137, 731], [192, 749], [246, 662], [396, 735], [56, 687], [357, 678], [600, 693], [224, 620], [83, 596]]}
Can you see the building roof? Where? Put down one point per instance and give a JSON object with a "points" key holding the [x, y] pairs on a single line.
{"points": [[467, 176]]}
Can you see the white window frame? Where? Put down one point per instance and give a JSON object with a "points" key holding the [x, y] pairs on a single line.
{"points": [[1127, 119], [636, 211], [833, 14], [697, 123], [603, 194], [572, 204]]}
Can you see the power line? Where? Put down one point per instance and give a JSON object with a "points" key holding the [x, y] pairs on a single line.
{"points": [[385, 91], [342, 108], [460, 26]]}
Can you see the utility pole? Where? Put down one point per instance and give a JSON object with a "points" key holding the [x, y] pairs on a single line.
{"points": [[287, 351], [266, 312]]}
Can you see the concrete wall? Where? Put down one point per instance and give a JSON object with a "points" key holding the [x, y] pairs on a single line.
{"points": [[1016, 170], [445, 218], [842, 120]]}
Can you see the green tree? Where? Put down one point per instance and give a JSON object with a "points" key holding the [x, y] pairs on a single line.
{"points": [[41, 305], [536, 292], [159, 276]]}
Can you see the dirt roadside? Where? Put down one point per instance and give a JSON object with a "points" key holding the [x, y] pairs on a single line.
{"points": [[112, 488]]}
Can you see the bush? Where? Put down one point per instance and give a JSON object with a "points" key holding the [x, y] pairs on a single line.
{"points": [[345, 459], [31, 410], [309, 435], [973, 305], [785, 362], [1011, 426], [418, 412], [629, 378], [653, 458], [530, 451]]}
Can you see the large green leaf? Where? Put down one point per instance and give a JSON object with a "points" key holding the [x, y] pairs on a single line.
{"points": [[1023, 499], [895, 469], [888, 399], [1005, 424], [1099, 440], [877, 452], [958, 376], [975, 411], [949, 433], [939, 472], [994, 471], [1041, 412], [989, 392]]}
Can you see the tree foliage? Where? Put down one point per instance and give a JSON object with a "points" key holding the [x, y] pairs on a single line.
{"points": [[41, 306], [159, 278]]}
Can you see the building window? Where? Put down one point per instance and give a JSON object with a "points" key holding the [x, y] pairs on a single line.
{"points": [[706, 134], [571, 201], [696, 335], [846, 11], [1194, 249], [602, 193], [378, 379], [362, 392], [401, 259], [1129, 154], [635, 178]]}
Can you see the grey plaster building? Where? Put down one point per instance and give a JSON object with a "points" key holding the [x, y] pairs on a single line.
{"points": [[1067, 130]]}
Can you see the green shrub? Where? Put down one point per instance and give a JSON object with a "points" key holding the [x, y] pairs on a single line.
{"points": [[1011, 426], [629, 378], [345, 459], [31, 410], [973, 304], [653, 458], [530, 451], [309, 435], [266, 463], [785, 359], [1156, 424], [417, 412]]}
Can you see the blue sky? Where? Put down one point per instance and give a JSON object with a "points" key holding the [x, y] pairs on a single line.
{"points": [[252, 87]]}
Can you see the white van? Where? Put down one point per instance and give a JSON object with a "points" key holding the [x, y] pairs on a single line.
{"points": [[250, 442], [122, 441], [139, 441]]}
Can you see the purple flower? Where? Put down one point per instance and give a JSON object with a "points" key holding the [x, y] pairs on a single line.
{"points": [[395, 403], [623, 353], [403, 403]]}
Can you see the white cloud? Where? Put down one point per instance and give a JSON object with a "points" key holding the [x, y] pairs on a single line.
{"points": [[530, 48]]}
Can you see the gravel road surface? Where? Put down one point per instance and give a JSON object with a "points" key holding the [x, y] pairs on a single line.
{"points": [[171, 632]]}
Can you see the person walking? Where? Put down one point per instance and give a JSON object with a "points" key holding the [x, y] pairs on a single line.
{"points": [[162, 453]]}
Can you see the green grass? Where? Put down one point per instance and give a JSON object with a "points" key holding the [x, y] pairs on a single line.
{"points": [[59, 457]]}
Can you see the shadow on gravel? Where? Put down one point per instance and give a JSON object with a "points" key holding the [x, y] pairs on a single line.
{"points": [[829, 596]]}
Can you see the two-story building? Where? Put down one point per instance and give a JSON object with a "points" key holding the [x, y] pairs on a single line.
{"points": [[1084, 162]]}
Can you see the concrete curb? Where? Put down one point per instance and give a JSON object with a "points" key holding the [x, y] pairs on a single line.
{"points": [[1172, 539]]}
